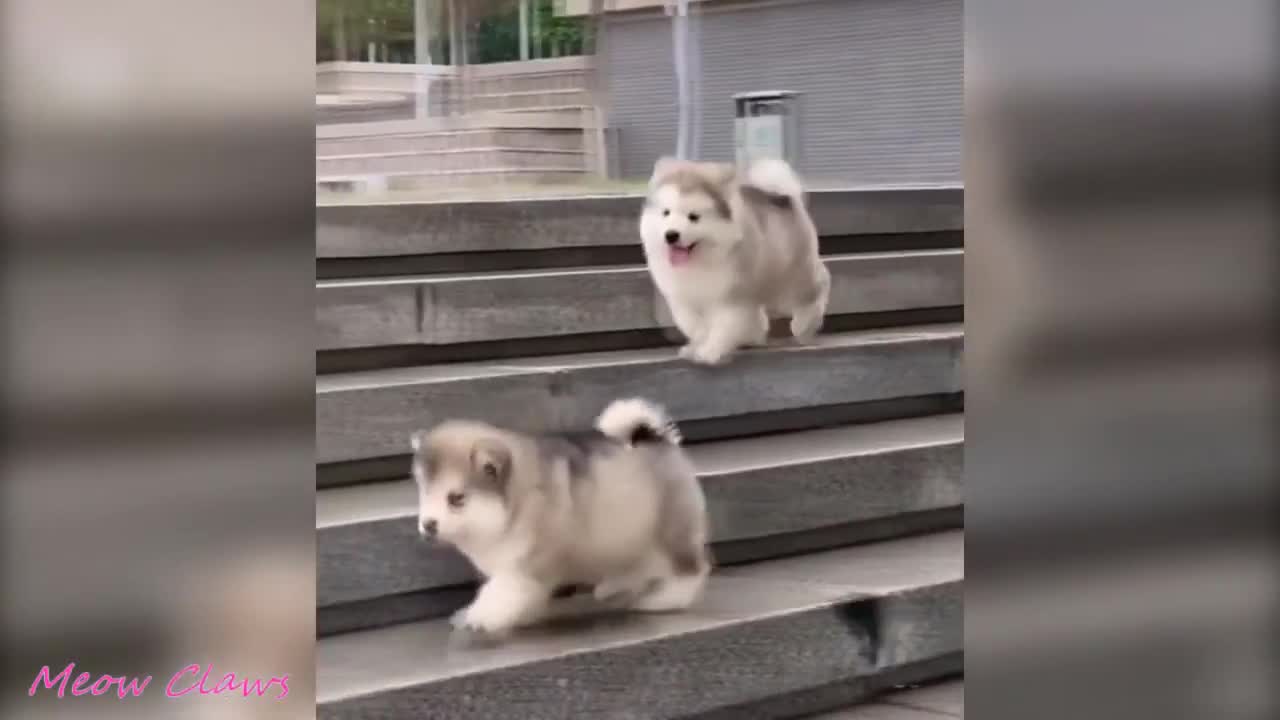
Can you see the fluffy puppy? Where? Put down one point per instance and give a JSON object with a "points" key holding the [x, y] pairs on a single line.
{"points": [[619, 509], [728, 248]]}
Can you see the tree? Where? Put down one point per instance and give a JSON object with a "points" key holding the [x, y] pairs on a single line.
{"points": [[496, 36], [357, 23]]}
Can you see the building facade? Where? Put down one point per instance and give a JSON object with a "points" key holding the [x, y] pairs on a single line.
{"points": [[880, 81]]}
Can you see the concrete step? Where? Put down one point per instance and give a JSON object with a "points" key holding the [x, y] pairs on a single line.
{"points": [[429, 228], [427, 141], [761, 492], [773, 639], [936, 701], [477, 177], [526, 99], [449, 160], [339, 109], [446, 309], [541, 82], [369, 414], [564, 118]]}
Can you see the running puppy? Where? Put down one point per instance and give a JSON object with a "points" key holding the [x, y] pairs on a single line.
{"points": [[728, 248], [619, 509]]}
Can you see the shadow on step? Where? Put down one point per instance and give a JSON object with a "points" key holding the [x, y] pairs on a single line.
{"points": [[357, 472], [570, 257], [840, 695], [389, 356]]}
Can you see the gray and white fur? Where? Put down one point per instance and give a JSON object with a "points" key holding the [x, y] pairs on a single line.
{"points": [[729, 248], [618, 508]]}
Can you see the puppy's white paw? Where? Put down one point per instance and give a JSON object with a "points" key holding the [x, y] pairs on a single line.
{"points": [[459, 618], [673, 593], [710, 357], [699, 353], [621, 591], [705, 354], [805, 324], [609, 591], [474, 619]]}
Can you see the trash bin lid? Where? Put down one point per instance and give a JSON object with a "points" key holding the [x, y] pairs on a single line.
{"points": [[765, 95]]}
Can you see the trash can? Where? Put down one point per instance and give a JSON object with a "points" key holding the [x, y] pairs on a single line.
{"points": [[766, 124]]}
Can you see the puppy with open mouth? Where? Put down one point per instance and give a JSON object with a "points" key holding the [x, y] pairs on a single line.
{"points": [[729, 248], [619, 509]]}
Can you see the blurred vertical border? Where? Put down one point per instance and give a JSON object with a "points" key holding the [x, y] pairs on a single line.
{"points": [[157, 188], [1121, 271]]}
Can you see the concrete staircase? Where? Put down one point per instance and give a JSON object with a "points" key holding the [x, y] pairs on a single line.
{"points": [[529, 122], [833, 472], [537, 145]]}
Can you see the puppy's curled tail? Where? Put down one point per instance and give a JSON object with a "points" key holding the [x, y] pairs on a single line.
{"points": [[634, 421], [775, 177]]}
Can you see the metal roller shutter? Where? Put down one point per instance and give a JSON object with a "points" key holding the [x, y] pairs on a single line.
{"points": [[882, 83]]}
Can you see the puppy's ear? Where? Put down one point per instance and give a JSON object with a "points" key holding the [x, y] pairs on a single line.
{"points": [[418, 439], [720, 174], [664, 169], [491, 461]]}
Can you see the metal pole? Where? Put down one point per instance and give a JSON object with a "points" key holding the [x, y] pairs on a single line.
{"points": [[464, 34], [524, 29], [340, 30], [694, 57], [383, 34], [536, 30], [455, 35], [680, 46], [422, 56]]}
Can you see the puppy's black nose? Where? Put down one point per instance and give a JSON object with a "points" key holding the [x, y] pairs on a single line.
{"points": [[429, 528], [673, 237]]}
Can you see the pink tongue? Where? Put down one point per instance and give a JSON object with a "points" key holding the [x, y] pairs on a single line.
{"points": [[679, 255]]}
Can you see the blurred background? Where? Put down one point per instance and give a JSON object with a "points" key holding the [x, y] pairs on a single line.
{"points": [[157, 498], [446, 98], [1120, 275]]}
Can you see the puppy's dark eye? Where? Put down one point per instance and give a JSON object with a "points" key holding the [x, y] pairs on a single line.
{"points": [[666, 213], [693, 217], [455, 500]]}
